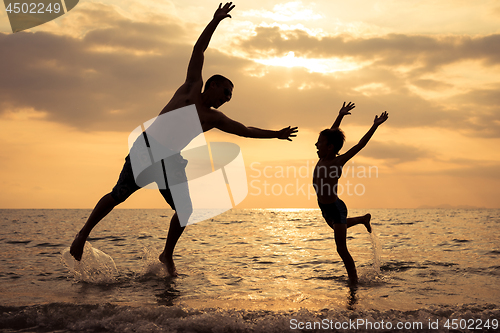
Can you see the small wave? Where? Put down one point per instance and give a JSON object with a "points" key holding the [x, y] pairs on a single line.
{"points": [[48, 245], [440, 264], [399, 266], [460, 240], [65, 317], [18, 242]]}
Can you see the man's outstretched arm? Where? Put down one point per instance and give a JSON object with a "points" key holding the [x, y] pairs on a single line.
{"points": [[344, 111], [196, 63], [228, 125]]}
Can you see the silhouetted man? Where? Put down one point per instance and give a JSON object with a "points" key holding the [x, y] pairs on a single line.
{"points": [[218, 90]]}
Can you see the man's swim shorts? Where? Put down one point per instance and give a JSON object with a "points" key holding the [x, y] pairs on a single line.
{"points": [[126, 184]]}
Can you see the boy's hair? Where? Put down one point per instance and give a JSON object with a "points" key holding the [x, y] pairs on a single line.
{"points": [[217, 78], [334, 137]]}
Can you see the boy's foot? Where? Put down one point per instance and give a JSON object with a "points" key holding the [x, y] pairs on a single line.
{"points": [[169, 264], [353, 282], [77, 246], [367, 224]]}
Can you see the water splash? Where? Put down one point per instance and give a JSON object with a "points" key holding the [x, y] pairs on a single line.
{"points": [[372, 275], [377, 250], [95, 266], [151, 266]]}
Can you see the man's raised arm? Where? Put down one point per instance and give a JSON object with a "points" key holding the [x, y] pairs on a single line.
{"points": [[196, 63], [344, 111]]}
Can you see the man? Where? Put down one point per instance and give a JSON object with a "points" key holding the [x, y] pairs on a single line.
{"points": [[218, 90]]}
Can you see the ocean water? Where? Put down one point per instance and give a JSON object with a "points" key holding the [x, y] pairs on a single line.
{"points": [[255, 270]]}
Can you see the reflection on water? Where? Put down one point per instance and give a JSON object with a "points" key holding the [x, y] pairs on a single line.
{"points": [[274, 259]]}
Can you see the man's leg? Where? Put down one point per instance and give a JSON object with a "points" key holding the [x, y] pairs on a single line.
{"points": [[103, 207], [352, 221], [174, 232], [340, 241]]}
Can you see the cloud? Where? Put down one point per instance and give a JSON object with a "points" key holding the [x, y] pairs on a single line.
{"points": [[468, 168], [394, 152], [391, 67], [108, 80], [290, 11], [121, 72], [392, 49]]}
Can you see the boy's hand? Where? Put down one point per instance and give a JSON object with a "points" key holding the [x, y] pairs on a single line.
{"points": [[287, 133], [380, 120], [346, 108], [222, 12]]}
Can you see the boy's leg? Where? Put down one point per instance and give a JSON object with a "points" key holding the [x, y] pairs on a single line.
{"points": [[174, 233], [103, 207], [341, 242], [352, 221]]}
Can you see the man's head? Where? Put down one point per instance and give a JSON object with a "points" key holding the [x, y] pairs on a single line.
{"points": [[219, 89], [330, 142]]}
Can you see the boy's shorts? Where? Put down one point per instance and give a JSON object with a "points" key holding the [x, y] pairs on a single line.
{"points": [[334, 213]]}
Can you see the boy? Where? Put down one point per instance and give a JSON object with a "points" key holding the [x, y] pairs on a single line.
{"points": [[327, 172]]}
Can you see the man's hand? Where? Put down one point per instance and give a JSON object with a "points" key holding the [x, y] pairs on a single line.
{"points": [[287, 133], [346, 108], [380, 120], [222, 12]]}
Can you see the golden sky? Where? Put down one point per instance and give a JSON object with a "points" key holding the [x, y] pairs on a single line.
{"points": [[73, 89]]}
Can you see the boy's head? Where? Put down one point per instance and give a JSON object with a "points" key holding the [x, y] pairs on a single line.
{"points": [[334, 137]]}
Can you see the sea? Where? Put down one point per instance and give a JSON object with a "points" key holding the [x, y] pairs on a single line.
{"points": [[251, 270]]}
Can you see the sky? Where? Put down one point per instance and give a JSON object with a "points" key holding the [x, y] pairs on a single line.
{"points": [[73, 89]]}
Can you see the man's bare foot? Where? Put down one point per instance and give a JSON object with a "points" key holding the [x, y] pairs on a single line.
{"points": [[367, 224], [77, 246], [169, 264]]}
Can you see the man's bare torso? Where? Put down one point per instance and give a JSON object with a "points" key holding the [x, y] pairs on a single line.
{"points": [[188, 94]]}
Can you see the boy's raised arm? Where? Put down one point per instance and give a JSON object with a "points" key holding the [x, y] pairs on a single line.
{"points": [[196, 62], [344, 111], [379, 120]]}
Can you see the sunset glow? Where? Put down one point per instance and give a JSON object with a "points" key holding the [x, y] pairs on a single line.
{"points": [[73, 89]]}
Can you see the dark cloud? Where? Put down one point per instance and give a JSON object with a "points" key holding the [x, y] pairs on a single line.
{"points": [[393, 152], [470, 168], [479, 112], [312, 100], [113, 78], [420, 55], [392, 49], [121, 73], [432, 85]]}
